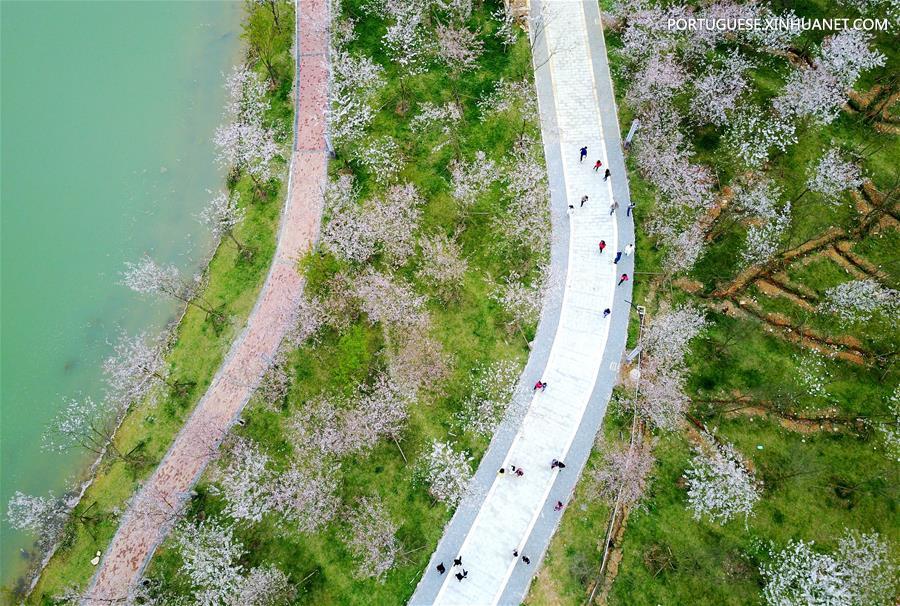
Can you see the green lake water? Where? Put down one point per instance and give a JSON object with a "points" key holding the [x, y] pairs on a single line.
{"points": [[107, 110]]}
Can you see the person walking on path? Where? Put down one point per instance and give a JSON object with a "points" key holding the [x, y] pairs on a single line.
{"points": [[613, 207], [597, 165], [602, 245], [559, 505], [460, 577], [457, 561], [618, 256], [629, 249], [624, 278], [605, 312], [583, 200], [607, 175], [540, 385], [570, 211], [526, 560], [629, 209], [557, 464], [441, 568], [583, 154]]}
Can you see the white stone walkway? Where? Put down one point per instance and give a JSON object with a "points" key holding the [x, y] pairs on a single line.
{"points": [[513, 507]]}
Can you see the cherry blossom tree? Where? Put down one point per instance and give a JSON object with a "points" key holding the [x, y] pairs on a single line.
{"points": [[263, 587], [458, 48], [509, 96], [491, 395], [506, 30], [406, 41], [447, 472], [660, 78], [276, 381], [381, 157], [371, 538], [686, 248], [308, 318], [833, 175], [389, 301], [661, 399], [245, 142], [860, 300], [395, 218], [446, 116], [244, 481], [346, 232], [861, 572], [522, 301], [818, 92], [526, 220], [470, 180], [85, 424], [623, 474], [419, 363], [355, 83], [148, 277], [306, 497], [442, 265], [716, 92], [669, 334], [136, 366], [720, 487], [753, 134], [39, 516], [222, 215], [764, 236]]}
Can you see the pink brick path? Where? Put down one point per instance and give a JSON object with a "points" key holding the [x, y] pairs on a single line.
{"points": [[149, 517]]}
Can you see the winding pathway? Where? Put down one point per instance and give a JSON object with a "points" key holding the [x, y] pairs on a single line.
{"points": [[576, 350], [148, 518]]}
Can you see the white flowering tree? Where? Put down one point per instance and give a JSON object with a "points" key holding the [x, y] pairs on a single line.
{"points": [[458, 48], [147, 277], [136, 366], [355, 83], [445, 116], [470, 180], [818, 92], [764, 236], [491, 396], [447, 472], [222, 215], [526, 220], [719, 485], [660, 79], [84, 424], [245, 142], [442, 265], [274, 386], [669, 334], [371, 538], [381, 158], [861, 300], [753, 134], [833, 175], [718, 89], [210, 560], [306, 495], [521, 300], [623, 473], [407, 41], [862, 571], [244, 479], [509, 96]]}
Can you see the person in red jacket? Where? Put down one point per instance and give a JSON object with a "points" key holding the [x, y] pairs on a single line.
{"points": [[624, 278], [602, 245], [597, 165]]}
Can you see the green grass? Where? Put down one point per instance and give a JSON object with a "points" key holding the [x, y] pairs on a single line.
{"points": [[199, 347]]}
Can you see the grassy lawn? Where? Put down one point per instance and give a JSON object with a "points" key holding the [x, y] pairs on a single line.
{"points": [[751, 384], [232, 284]]}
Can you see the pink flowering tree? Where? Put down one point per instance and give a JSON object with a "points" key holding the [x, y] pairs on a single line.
{"points": [[764, 236], [372, 538], [719, 485], [623, 474], [222, 215], [442, 265], [447, 472], [389, 301], [458, 48], [718, 89], [526, 220], [418, 364]]}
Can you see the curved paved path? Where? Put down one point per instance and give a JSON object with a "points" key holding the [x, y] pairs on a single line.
{"points": [[576, 350], [149, 516]]}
